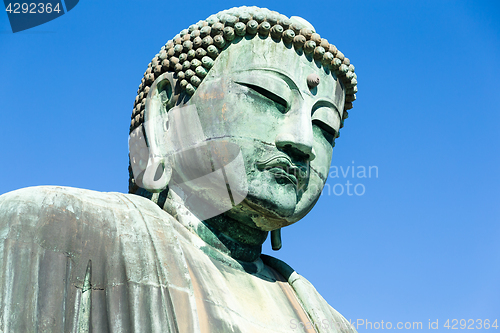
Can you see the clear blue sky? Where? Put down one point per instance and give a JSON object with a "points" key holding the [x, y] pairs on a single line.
{"points": [[423, 242]]}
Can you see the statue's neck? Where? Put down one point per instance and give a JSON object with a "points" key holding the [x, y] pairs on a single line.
{"points": [[222, 232], [243, 242]]}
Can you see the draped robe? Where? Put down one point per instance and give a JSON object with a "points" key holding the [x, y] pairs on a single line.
{"points": [[74, 260]]}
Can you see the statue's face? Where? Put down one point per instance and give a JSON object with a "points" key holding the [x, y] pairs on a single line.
{"points": [[257, 97]]}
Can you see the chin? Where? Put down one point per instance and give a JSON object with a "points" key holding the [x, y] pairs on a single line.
{"points": [[270, 210]]}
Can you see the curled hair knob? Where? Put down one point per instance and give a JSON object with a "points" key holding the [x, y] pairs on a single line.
{"points": [[312, 80]]}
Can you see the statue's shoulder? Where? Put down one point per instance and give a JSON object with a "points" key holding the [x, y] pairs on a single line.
{"points": [[60, 195], [104, 255], [42, 213], [320, 312]]}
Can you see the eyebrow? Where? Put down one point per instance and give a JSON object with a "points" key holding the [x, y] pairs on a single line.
{"points": [[328, 102], [283, 76]]}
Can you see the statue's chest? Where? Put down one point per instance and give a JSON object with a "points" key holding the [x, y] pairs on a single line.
{"points": [[231, 300]]}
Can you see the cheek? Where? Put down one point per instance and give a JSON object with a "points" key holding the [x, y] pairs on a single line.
{"points": [[225, 111], [321, 164]]}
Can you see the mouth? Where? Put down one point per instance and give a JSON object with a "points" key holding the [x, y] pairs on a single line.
{"points": [[282, 168], [282, 175]]}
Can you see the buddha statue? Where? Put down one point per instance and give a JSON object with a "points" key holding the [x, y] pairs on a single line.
{"points": [[231, 140]]}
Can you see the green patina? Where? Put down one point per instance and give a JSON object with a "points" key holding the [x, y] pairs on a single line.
{"points": [[79, 260], [258, 96]]}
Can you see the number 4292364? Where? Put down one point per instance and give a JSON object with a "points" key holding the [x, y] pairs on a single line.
{"points": [[32, 8], [470, 324]]}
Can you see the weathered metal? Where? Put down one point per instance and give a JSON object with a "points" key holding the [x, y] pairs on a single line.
{"points": [[232, 135]]}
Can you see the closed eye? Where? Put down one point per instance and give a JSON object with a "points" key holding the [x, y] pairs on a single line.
{"points": [[282, 104], [324, 127], [327, 119]]}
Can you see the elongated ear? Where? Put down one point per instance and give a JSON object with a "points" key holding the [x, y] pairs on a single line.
{"points": [[160, 99]]}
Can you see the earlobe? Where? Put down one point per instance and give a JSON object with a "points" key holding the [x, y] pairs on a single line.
{"points": [[157, 166], [159, 100]]}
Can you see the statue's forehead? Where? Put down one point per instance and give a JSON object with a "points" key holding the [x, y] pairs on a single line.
{"points": [[257, 56]]}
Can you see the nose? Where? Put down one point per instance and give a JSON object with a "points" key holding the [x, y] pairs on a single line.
{"points": [[296, 135]]}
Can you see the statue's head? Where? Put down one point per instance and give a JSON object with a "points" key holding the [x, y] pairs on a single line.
{"points": [[239, 114]]}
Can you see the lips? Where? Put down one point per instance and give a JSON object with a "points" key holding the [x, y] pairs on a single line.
{"points": [[281, 167], [281, 173]]}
